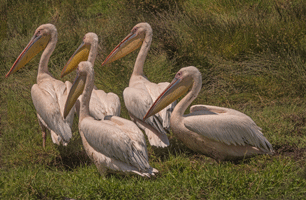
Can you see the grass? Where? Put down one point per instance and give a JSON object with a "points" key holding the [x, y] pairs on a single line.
{"points": [[252, 58]]}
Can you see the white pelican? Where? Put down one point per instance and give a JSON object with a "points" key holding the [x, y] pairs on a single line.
{"points": [[141, 93], [217, 132], [101, 103], [114, 144], [48, 95]]}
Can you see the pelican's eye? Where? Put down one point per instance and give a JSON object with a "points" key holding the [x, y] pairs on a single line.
{"points": [[38, 33], [134, 30], [178, 75]]}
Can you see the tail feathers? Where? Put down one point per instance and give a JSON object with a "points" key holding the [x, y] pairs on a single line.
{"points": [[154, 131], [149, 174], [157, 139], [139, 160], [65, 131], [56, 139], [267, 147]]}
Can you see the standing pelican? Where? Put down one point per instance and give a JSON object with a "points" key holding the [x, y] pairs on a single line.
{"points": [[220, 133], [48, 95], [141, 93], [114, 144], [101, 103]]}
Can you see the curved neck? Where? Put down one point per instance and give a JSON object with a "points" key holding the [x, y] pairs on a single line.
{"points": [[180, 108], [93, 52], [143, 52], [85, 97], [44, 59]]}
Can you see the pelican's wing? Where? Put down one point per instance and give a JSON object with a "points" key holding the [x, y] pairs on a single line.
{"points": [[46, 104], [155, 90], [110, 100], [113, 104], [96, 107], [138, 102], [131, 129], [226, 125], [112, 142]]}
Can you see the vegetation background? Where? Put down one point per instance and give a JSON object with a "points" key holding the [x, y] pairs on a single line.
{"points": [[252, 57]]}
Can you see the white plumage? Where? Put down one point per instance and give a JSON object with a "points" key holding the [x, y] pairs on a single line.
{"points": [[220, 133], [101, 103], [141, 93], [225, 125], [114, 144], [49, 94]]}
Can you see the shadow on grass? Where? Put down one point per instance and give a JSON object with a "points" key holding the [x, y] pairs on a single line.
{"points": [[175, 148], [290, 151], [72, 156], [71, 161]]}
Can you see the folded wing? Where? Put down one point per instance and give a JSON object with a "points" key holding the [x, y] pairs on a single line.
{"points": [[226, 125]]}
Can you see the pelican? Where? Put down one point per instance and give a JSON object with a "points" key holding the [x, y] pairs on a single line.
{"points": [[101, 103], [48, 95], [114, 144], [217, 132], [141, 93]]}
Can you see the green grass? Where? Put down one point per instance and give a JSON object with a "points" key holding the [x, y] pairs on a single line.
{"points": [[252, 58]]}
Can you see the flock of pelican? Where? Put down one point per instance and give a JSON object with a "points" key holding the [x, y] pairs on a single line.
{"points": [[116, 144]]}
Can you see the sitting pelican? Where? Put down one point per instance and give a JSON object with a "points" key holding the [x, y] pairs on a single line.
{"points": [[48, 95], [101, 103], [114, 144], [141, 93], [217, 132]]}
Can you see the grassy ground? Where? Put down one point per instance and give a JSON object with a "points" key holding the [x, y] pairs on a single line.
{"points": [[252, 58]]}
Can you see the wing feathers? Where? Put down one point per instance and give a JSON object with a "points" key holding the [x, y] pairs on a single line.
{"points": [[138, 102], [48, 109], [226, 125], [113, 142]]}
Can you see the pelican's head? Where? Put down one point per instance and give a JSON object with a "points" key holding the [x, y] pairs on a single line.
{"points": [[84, 68], [182, 82], [130, 43], [81, 54], [39, 41]]}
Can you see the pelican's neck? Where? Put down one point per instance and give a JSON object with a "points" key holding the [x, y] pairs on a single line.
{"points": [[180, 108], [93, 52], [143, 52], [44, 59], [85, 97]]}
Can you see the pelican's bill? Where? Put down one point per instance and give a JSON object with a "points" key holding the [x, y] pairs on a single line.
{"points": [[129, 44], [36, 44], [81, 54], [175, 90]]}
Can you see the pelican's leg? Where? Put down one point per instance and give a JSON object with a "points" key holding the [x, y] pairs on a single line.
{"points": [[44, 133]]}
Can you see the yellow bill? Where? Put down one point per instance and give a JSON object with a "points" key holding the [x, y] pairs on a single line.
{"points": [[81, 54], [74, 93], [129, 44], [175, 90], [36, 44]]}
